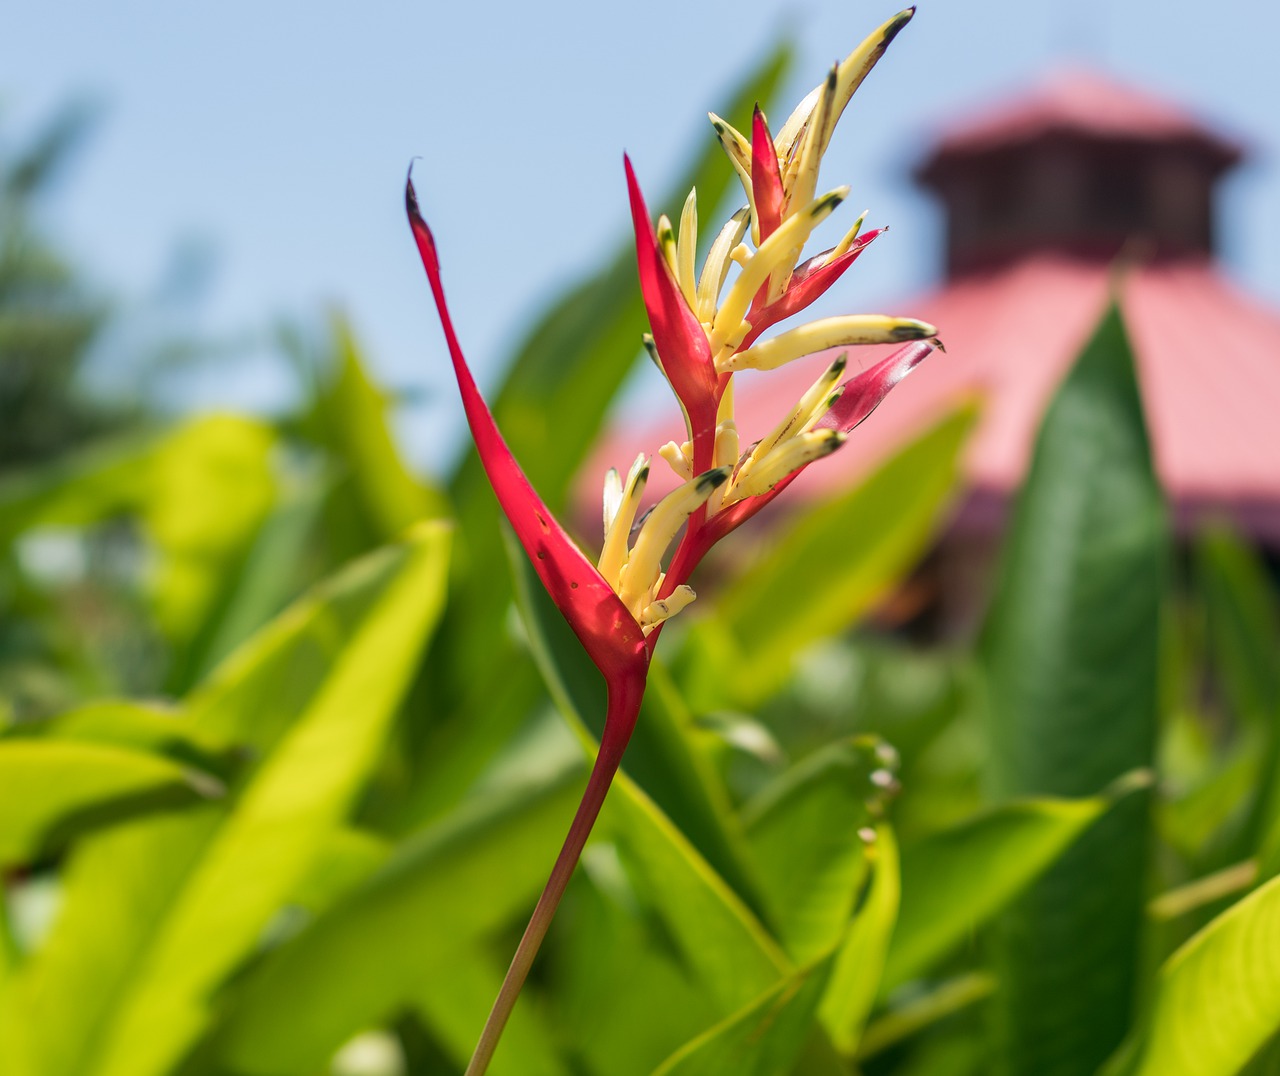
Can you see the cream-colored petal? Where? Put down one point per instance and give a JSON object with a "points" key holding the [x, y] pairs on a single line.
{"points": [[825, 333], [645, 560], [791, 235]]}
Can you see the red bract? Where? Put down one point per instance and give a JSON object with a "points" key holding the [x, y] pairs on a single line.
{"points": [[766, 180], [864, 392], [607, 630], [677, 335], [700, 338], [808, 283]]}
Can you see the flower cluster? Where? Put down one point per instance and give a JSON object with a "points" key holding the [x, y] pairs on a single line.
{"points": [[704, 328]]}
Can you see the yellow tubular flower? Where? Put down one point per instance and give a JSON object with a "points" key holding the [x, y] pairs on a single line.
{"points": [[645, 562], [613, 555], [791, 455], [726, 455], [738, 150], [687, 250], [825, 333], [847, 241], [716, 267], [815, 398], [667, 243], [804, 181], [678, 458], [770, 254], [656, 612]]}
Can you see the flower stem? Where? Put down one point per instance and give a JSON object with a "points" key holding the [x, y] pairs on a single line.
{"points": [[624, 707]]}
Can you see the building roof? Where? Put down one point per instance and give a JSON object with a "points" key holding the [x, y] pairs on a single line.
{"points": [[1208, 355], [1082, 103], [1208, 360]]}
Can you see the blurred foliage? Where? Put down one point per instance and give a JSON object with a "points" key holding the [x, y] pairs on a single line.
{"points": [[50, 315], [290, 739]]}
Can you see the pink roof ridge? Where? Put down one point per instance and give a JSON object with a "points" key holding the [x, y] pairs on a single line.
{"points": [[1081, 101]]}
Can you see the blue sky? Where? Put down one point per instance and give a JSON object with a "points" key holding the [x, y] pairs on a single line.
{"points": [[277, 134]]}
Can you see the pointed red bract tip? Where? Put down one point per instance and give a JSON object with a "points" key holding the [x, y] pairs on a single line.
{"points": [[864, 392], [766, 180], [678, 336], [608, 631]]}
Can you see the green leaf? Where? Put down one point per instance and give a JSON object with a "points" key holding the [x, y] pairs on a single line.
{"points": [[354, 418], [1071, 651], [347, 857], [200, 491], [762, 1039], [1217, 999], [665, 755], [441, 892], [808, 835], [715, 931], [279, 823], [266, 577], [859, 963], [208, 489], [596, 1001], [51, 790], [1244, 639], [453, 1005], [120, 887], [955, 880], [140, 726], [831, 563]]}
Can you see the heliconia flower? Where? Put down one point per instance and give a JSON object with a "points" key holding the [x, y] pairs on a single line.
{"points": [[704, 328]]}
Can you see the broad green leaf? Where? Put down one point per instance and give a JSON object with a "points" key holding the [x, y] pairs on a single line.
{"points": [[1216, 1000], [1071, 651], [762, 1039], [278, 824], [665, 756], [253, 696], [52, 790], [200, 492], [120, 886], [143, 726], [596, 1002], [833, 561], [268, 575], [347, 857], [922, 1011], [210, 485], [441, 892], [953, 881], [453, 1006], [77, 489], [1244, 643], [354, 413], [808, 833], [8, 947], [859, 963], [714, 930]]}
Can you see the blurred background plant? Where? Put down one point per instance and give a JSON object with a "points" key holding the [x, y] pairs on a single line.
{"points": [[290, 738]]}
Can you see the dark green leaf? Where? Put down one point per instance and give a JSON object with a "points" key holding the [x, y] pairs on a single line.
{"points": [[1071, 651], [834, 560]]}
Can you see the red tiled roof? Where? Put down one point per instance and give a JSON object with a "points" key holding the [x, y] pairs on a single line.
{"points": [[1208, 361], [1081, 103]]}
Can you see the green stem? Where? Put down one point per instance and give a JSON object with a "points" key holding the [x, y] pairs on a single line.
{"points": [[624, 706]]}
